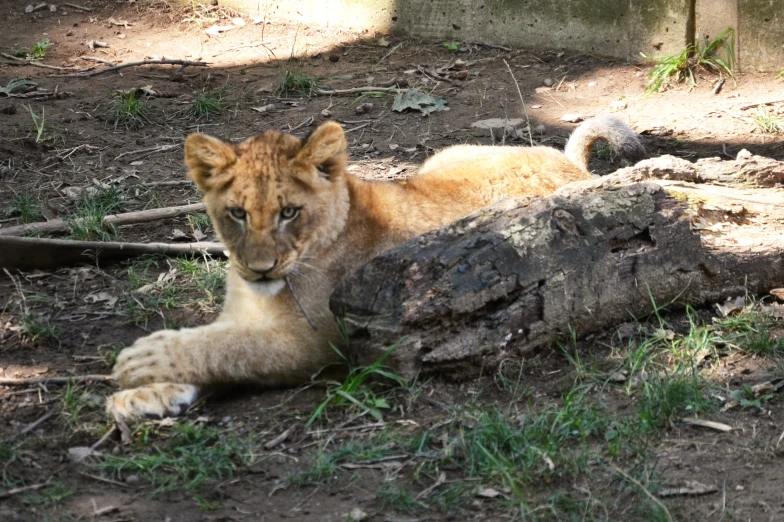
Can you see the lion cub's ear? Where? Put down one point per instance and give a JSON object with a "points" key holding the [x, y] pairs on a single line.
{"points": [[206, 157], [325, 148]]}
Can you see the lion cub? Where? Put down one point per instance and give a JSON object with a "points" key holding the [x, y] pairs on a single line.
{"points": [[296, 223]]}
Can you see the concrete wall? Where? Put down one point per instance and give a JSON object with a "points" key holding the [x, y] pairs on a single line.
{"points": [[614, 28]]}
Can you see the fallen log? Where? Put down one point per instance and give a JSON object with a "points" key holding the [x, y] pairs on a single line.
{"points": [[128, 218], [517, 275], [28, 253]]}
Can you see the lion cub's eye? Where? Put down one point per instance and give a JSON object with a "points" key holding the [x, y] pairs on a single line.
{"points": [[289, 212], [237, 213]]}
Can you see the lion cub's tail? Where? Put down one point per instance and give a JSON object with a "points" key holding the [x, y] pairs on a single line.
{"points": [[622, 140]]}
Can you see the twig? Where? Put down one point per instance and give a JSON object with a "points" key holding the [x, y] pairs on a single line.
{"points": [[21, 62], [357, 128], [246, 46], [525, 109], [643, 488], [101, 479], [28, 253], [128, 218], [30, 427], [752, 105], [492, 46], [303, 124], [151, 150], [282, 437], [302, 308], [103, 439], [16, 491], [15, 381], [79, 7], [183, 63], [355, 90], [96, 59], [395, 48]]}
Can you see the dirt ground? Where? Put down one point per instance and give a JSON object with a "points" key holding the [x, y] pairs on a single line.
{"points": [[59, 143]]}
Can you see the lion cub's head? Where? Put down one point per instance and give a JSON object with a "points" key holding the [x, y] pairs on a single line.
{"points": [[276, 201]]}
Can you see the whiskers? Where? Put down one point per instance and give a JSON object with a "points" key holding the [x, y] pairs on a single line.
{"points": [[302, 308]]}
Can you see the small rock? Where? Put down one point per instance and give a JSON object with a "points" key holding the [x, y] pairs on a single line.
{"points": [[460, 75], [357, 515], [121, 36], [239, 22], [334, 57], [548, 82], [639, 74], [132, 479], [743, 155], [572, 118], [619, 105], [29, 9], [52, 8], [592, 84], [363, 108], [540, 128]]}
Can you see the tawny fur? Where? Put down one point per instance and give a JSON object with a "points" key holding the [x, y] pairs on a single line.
{"points": [[342, 222]]}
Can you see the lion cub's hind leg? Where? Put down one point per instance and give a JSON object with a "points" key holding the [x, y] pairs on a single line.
{"points": [[151, 401]]}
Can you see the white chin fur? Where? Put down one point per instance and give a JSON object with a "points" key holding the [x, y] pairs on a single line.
{"points": [[266, 288]]}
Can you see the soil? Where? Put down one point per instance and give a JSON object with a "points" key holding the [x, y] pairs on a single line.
{"points": [[81, 147]]}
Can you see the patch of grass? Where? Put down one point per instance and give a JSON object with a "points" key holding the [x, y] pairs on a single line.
{"points": [[199, 221], [25, 207], [86, 221], [680, 68], [452, 46], [393, 496], [295, 82], [209, 276], [128, 110], [9, 454], [35, 53], [44, 134], [766, 121], [191, 457], [207, 104], [35, 327], [365, 389], [147, 296]]}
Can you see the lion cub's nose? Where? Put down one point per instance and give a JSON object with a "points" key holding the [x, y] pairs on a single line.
{"points": [[263, 267]]}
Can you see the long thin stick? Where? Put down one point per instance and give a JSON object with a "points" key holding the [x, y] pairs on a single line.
{"points": [[183, 63], [15, 381], [28, 253], [127, 218], [30, 427], [151, 150], [525, 109], [354, 90], [296, 300], [16, 491], [643, 488], [21, 62]]}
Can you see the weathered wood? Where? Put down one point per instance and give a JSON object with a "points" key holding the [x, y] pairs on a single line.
{"points": [[517, 275], [127, 218], [28, 253]]}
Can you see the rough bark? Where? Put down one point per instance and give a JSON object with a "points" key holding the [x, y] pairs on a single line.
{"points": [[517, 275]]}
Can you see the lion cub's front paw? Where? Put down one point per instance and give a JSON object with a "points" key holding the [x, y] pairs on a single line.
{"points": [[161, 357], [154, 400]]}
